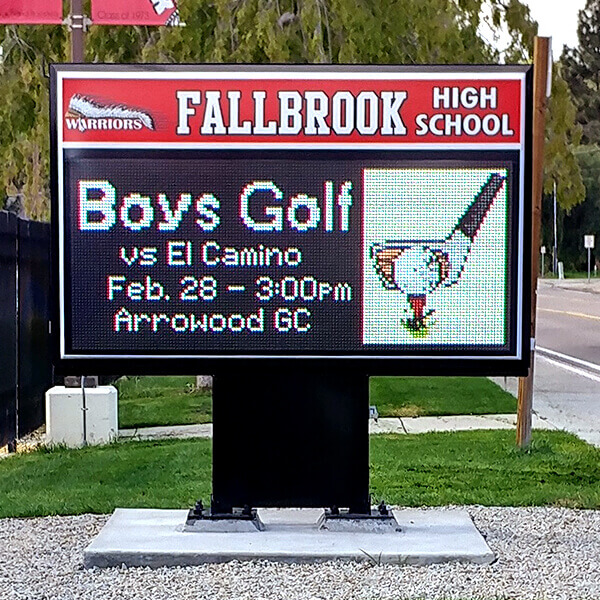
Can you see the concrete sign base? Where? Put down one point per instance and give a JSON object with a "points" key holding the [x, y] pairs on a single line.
{"points": [[156, 538]]}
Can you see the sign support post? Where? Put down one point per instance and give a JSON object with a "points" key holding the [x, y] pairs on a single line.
{"points": [[555, 247], [589, 258], [588, 243], [541, 55], [291, 437]]}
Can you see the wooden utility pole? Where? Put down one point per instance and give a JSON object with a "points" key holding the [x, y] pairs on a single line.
{"points": [[77, 23], [541, 62]]}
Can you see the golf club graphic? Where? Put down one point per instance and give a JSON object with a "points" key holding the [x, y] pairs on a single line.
{"points": [[419, 267]]}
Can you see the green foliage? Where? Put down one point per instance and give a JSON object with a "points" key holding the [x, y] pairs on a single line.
{"points": [[501, 20], [319, 31], [582, 71], [584, 218], [520, 28], [24, 143], [572, 119], [588, 158], [562, 136], [243, 31]]}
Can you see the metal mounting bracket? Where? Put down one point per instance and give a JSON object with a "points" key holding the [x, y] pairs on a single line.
{"points": [[77, 22]]}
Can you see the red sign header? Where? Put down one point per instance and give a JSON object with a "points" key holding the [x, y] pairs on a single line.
{"points": [[312, 109], [135, 12]]}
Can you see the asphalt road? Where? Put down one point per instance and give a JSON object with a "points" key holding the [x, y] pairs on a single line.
{"points": [[568, 319], [567, 366]]}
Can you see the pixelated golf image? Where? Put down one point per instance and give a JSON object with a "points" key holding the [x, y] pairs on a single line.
{"points": [[435, 256]]}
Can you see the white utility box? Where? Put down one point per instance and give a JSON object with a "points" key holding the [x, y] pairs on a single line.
{"points": [[75, 421]]}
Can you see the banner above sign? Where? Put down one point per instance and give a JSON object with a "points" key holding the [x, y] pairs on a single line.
{"points": [[31, 12], [135, 12]]}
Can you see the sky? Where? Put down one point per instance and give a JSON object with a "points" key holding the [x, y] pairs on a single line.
{"points": [[557, 19]]}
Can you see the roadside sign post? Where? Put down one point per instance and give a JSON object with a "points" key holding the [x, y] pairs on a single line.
{"points": [[555, 228], [541, 61], [543, 253], [292, 231], [588, 243]]}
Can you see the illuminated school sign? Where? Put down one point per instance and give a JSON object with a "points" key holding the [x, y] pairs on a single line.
{"points": [[377, 215]]}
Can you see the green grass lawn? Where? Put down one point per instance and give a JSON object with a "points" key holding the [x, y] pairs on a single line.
{"points": [[482, 467], [485, 467], [148, 401], [420, 396]]}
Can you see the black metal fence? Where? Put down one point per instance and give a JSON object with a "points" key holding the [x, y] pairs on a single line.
{"points": [[25, 360]]}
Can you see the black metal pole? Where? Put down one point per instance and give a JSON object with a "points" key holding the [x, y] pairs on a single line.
{"points": [[589, 260], [555, 249]]}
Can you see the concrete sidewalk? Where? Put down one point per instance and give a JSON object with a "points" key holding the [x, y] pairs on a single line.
{"points": [[580, 285], [401, 425], [398, 425], [564, 395], [450, 423], [172, 431]]}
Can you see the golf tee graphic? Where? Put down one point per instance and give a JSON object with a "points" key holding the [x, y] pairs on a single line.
{"points": [[435, 256]]}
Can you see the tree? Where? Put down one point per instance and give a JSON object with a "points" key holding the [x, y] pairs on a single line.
{"points": [[24, 146], [345, 31], [584, 218], [578, 170], [261, 31], [562, 170], [562, 137], [581, 70]]}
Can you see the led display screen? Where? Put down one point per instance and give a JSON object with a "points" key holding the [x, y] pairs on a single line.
{"points": [[381, 231]]}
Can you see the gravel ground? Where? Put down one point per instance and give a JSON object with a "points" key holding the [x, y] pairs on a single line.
{"points": [[545, 553]]}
